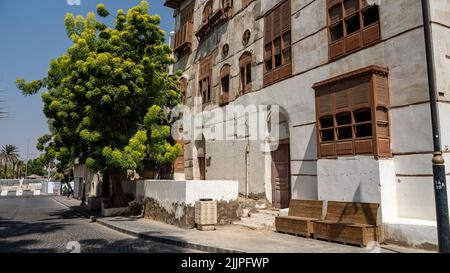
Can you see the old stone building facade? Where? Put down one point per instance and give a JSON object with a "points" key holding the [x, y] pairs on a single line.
{"points": [[350, 79]]}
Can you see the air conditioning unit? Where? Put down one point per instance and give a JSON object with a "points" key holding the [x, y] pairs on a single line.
{"points": [[206, 214]]}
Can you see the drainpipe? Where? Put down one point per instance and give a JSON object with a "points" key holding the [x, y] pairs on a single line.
{"points": [[247, 169], [440, 187], [247, 159]]}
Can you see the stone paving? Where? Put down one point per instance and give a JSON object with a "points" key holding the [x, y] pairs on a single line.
{"points": [[43, 225], [229, 238]]}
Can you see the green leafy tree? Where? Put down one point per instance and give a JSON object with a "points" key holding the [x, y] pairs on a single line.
{"points": [[37, 166], [106, 94], [8, 155]]}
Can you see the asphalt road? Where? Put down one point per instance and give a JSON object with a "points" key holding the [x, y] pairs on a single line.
{"points": [[34, 224]]}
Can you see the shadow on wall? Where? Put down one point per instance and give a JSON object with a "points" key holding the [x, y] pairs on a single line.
{"points": [[306, 187]]}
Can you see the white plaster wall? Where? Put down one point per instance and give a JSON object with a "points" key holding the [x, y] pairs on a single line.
{"points": [[444, 112], [440, 11], [411, 129], [188, 192], [352, 179], [304, 187], [217, 190], [415, 197], [389, 205], [303, 143], [412, 232], [441, 43]]}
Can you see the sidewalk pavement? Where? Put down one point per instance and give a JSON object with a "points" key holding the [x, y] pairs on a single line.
{"points": [[227, 239], [73, 203]]}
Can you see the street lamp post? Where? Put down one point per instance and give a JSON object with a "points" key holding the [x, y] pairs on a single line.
{"points": [[440, 187]]}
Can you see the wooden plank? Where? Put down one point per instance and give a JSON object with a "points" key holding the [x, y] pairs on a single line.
{"points": [[347, 212], [306, 208]]}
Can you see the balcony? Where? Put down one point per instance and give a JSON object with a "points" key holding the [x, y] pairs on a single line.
{"points": [[215, 19], [224, 99], [182, 41], [174, 4]]}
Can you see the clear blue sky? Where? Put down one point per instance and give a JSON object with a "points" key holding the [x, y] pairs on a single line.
{"points": [[31, 34]]}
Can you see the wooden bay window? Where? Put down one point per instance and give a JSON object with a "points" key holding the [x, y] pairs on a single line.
{"points": [[225, 79], [352, 25], [207, 11], [183, 89], [245, 73], [212, 18], [183, 36], [352, 114], [205, 76], [277, 44]]}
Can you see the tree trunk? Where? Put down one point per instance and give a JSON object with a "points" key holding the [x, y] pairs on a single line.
{"points": [[118, 197], [6, 168], [106, 185]]}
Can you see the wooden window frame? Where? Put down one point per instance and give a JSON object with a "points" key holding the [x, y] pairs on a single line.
{"points": [[245, 64], [245, 3], [277, 25], [246, 37], [183, 86], [205, 78], [207, 11], [364, 37], [183, 37], [226, 4], [363, 89], [224, 97]]}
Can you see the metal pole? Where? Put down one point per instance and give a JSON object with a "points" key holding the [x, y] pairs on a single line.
{"points": [[440, 187], [26, 166]]}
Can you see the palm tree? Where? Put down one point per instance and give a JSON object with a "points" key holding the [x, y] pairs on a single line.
{"points": [[8, 153]]}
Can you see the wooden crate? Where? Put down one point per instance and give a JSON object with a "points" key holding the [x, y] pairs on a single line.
{"points": [[350, 223], [301, 215]]}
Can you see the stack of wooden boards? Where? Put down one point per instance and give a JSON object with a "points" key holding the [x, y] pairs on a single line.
{"points": [[345, 222]]}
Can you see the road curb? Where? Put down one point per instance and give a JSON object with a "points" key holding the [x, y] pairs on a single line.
{"points": [[164, 240], [167, 241]]}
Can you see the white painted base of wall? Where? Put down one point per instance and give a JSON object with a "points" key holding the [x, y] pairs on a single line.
{"points": [[412, 232], [182, 192], [190, 191], [114, 211]]}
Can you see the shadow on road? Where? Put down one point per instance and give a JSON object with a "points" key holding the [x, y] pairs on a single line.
{"points": [[10, 230], [71, 213], [128, 246]]}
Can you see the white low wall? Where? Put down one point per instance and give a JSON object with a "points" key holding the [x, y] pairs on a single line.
{"points": [[172, 201], [188, 192], [411, 232], [183, 191]]}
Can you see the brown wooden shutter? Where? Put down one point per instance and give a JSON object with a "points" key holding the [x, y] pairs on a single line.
{"points": [[381, 89], [187, 14], [325, 104], [276, 22], [331, 3], [286, 16], [351, 6], [268, 29], [342, 99]]}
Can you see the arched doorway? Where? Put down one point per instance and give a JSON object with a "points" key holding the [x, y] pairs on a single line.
{"points": [[201, 157], [281, 166]]}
